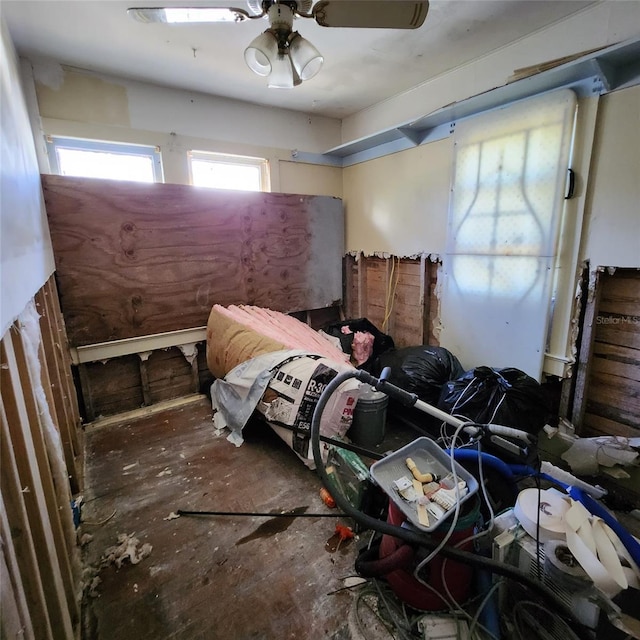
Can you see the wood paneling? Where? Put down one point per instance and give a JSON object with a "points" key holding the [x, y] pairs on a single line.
{"points": [[611, 396], [113, 386], [170, 375], [138, 259], [396, 294], [129, 382]]}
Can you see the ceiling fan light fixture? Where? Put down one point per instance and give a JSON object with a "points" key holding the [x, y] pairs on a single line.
{"points": [[306, 59], [261, 53], [283, 74]]}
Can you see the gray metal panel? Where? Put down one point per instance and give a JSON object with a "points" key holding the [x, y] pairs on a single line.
{"points": [[324, 262]]}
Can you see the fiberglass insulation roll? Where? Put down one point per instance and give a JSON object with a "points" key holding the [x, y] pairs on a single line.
{"points": [[238, 333]]}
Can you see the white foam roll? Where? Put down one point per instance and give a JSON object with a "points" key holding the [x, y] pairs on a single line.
{"points": [[579, 531], [553, 505], [562, 567]]}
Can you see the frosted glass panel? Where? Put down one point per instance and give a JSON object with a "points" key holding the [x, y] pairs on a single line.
{"points": [[505, 210]]}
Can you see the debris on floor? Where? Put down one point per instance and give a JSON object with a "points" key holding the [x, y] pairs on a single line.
{"points": [[126, 549], [90, 582]]}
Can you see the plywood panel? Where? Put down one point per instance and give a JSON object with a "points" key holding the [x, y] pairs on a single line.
{"points": [[137, 259]]}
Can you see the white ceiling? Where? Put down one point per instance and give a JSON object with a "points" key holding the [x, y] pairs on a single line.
{"points": [[362, 66]]}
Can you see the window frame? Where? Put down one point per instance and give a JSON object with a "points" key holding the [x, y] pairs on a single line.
{"points": [[232, 159], [86, 144]]}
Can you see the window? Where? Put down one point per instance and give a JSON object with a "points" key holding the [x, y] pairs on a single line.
{"points": [[221, 171], [110, 160], [504, 223]]}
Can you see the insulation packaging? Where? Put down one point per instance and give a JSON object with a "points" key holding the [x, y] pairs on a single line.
{"points": [[271, 362], [284, 386], [292, 395]]}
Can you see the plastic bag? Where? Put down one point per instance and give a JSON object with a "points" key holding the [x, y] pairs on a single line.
{"points": [[346, 332], [421, 370], [500, 396]]}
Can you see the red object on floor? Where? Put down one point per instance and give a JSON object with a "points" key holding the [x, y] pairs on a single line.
{"points": [[457, 575], [327, 498], [345, 533]]}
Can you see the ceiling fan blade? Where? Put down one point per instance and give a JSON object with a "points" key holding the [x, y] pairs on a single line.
{"points": [[371, 14], [175, 15]]}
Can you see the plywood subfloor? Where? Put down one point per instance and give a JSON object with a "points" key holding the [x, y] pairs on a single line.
{"points": [[208, 577]]}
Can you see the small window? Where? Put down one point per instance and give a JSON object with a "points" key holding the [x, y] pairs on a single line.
{"points": [[221, 171], [110, 160]]}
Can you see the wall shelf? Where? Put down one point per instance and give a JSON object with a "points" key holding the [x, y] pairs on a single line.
{"points": [[596, 73]]}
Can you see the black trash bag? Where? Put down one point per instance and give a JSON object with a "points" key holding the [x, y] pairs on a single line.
{"points": [[499, 396], [421, 370], [381, 341]]}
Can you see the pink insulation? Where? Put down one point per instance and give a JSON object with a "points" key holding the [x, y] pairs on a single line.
{"points": [[282, 328]]}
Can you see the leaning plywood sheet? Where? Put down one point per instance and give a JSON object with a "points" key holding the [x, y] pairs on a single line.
{"points": [[137, 259]]}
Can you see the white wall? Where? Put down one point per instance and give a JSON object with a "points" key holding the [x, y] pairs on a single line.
{"points": [[398, 204], [602, 24], [611, 235], [86, 105], [26, 257]]}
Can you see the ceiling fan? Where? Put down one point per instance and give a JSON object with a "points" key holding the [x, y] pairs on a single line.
{"points": [[281, 53]]}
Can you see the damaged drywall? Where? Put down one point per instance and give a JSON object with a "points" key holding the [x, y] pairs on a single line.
{"points": [[189, 351], [383, 255], [81, 96]]}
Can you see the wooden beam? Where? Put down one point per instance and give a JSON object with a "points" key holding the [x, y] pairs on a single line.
{"points": [[11, 578], [583, 367], [425, 299], [13, 501], [58, 464], [392, 266], [20, 440], [362, 286], [144, 377], [58, 375], [195, 372], [64, 421], [65, 350], [85, 388], [55, 504], [144, 412]]}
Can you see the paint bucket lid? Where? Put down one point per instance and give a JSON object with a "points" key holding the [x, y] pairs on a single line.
{"points": [[369, 394]]}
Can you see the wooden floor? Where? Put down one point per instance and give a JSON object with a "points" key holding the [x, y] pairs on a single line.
{"points": [[230, 578]]}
